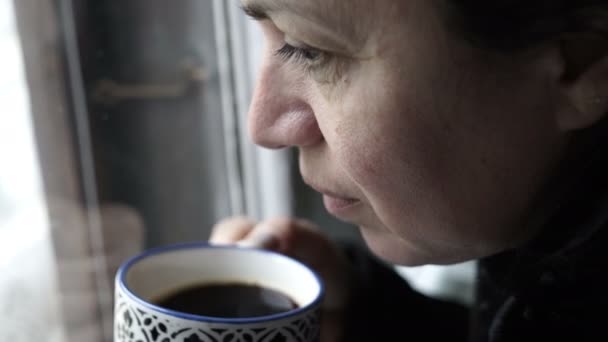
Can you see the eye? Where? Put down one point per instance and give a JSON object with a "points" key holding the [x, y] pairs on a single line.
{"points": [[307, 56]]}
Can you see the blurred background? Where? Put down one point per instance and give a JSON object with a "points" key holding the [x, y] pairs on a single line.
{"points": [[123, 128]]}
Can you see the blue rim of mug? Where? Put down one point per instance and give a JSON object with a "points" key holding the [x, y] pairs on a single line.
{"points": [[122, 271]]}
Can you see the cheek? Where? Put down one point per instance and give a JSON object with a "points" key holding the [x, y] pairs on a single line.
{"points": [[388, 137], [382, 142], [392, 168]]}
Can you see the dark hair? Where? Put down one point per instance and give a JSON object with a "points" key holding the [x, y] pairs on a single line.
{"points": [[518, 24]]}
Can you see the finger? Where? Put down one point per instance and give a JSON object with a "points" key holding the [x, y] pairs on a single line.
{"points": [[261, 236], [296, 236], [231, 230], [304, 241]]}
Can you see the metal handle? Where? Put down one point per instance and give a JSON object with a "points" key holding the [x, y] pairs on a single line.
{"points": [[111, 92]]}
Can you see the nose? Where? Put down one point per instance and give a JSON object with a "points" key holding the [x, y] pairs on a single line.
{"points": [[279, 115]]}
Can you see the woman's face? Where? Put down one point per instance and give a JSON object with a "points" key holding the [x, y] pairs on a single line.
{"points": [[432, 147]]}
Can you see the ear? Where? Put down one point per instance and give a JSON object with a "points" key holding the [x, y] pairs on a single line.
{"points": [[584, 81]]}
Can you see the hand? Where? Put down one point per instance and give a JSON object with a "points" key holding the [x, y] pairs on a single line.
{"points": [[301, 240]]}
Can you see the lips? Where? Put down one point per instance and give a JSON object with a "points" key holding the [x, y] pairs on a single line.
{"points": [[336, 203], [339, 206]]}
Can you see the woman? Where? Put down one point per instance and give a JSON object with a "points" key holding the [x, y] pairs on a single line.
{"points": [[447, 131]]}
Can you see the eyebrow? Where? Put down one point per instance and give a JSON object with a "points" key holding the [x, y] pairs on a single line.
{"points": [[255, 11], [333, 14], [261, 9]]}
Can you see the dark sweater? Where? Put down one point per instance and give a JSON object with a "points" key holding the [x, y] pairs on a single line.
{"points": [[552, 289]]}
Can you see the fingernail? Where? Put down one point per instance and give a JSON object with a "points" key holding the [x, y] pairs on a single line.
{"points": [[262, 240]]}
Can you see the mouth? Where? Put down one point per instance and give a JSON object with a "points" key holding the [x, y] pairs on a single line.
{"points": [[340, 206], [337, 204]]}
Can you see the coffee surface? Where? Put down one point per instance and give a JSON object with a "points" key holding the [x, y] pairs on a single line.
{"points": [[229, 300]]}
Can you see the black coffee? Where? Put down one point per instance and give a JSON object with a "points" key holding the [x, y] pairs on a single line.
{"points": [[230, 300]]}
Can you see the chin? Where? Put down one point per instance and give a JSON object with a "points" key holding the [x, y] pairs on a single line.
{"points": [[395, 250], [391, 248]]}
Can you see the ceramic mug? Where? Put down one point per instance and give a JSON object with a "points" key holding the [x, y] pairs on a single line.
{"points": [[143, 279]]}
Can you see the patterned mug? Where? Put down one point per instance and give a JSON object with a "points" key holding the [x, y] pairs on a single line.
{"points": [[144, 278]]}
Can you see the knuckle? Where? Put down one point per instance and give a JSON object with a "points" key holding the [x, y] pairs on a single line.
{"points": [[231, 229], [235, 221], [285, 223]]}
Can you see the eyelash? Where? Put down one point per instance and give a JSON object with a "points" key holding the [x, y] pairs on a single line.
{"points": [[307, 56]]}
